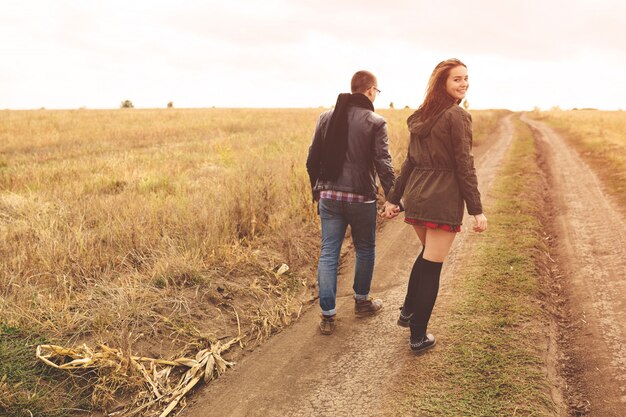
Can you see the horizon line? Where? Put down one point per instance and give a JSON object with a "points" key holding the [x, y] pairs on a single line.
{"points": [[287, 108]]}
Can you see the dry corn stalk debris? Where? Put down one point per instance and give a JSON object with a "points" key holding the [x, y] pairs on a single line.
{"points": [[207, 365]]}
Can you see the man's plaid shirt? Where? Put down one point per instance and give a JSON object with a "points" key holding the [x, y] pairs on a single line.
{"points": [[344, 196]]}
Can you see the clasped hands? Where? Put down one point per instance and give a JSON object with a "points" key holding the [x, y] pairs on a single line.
{"points": [[390, 210]]}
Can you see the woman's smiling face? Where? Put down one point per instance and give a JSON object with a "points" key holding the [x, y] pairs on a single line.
{"points": [[457, 82]]}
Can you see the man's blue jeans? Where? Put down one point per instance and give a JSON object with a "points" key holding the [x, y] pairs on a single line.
{"points": [[335, 217]]}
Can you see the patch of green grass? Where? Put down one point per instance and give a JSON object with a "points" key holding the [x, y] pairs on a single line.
{"points": [[27, 387], [491, 361]]}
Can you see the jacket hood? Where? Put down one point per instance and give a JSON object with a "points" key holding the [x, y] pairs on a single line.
{"points": [[423, 127]]}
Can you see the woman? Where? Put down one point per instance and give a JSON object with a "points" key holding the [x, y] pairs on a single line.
{"points": [[436, 181]]}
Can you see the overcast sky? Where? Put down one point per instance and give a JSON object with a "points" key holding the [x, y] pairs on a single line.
{"points": [[302, 53]]}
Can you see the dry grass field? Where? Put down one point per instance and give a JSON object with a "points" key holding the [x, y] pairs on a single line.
{"points": [[155, 232], [600, 138]]}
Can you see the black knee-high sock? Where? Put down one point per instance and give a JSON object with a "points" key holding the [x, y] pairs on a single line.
{"points": [[409, 303], [426, 296]]}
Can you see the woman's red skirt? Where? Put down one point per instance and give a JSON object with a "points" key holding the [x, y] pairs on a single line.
{"points": [[431, 225]]}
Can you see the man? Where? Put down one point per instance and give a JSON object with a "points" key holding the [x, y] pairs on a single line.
{"points": [[350, 146]]}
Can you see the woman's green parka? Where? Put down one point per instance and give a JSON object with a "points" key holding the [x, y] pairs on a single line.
{"points": [[438, 176]]}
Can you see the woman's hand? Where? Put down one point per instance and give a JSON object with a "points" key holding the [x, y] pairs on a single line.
{"points": [[480, 223], [390, 210]]}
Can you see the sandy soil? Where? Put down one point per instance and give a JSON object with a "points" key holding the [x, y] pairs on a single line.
{"points": [[590, 248], [302, 373]]}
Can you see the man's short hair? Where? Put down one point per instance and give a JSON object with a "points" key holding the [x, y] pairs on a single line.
{"points": [[361, 81]]}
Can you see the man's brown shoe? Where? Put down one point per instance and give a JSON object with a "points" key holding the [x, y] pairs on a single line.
{"points": [[367, 307], [327, 324]]}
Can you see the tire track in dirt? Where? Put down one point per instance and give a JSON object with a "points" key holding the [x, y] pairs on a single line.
{"points": [[591, 249], [299, 372]]}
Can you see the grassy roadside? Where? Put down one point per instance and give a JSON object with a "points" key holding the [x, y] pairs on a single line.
{"points": [[153, 232], [493, 339], [26, 385], [600, 139]]}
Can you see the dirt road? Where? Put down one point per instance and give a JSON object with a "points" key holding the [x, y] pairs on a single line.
{"points": [[301, 373], [591, 253]]}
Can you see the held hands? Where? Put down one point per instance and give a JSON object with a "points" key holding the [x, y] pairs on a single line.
{"points": [[480, 223], [390, 210]]}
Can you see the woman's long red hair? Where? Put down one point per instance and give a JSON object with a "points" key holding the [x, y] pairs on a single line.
{"points": [[436, 98]]}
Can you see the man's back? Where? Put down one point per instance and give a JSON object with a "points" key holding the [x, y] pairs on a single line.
{"points": [[367, 153]]}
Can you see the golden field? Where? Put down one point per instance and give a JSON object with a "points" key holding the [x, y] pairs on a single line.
{"points": [[156, 232], [600, 138]]}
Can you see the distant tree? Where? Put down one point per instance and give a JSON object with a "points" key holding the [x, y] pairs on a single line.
{"points": [[391, 105], [407, 107], [170, 105], [126, 104], [465, 104]]}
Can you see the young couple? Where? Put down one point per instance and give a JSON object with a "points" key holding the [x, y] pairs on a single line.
{"points": [[436, 181]]}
